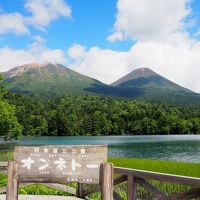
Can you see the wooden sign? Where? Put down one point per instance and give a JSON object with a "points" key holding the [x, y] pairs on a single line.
{"points": [[60, 163]]}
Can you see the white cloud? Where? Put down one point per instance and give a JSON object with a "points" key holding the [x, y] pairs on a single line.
{"points": [[179, 63], [162, 43], [118, 35], [147, 20], [36, 52], [14, 23], [77, 51], [102, 64], [43, 12]]}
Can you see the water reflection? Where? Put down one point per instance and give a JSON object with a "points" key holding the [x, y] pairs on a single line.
{"points": [[187, 151]]}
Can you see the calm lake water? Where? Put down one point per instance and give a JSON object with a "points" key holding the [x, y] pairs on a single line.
{"points": [[177, 147]]}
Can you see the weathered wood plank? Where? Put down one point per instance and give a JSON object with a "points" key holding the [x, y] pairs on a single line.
{"points": [[131, 188], [3, 164], [12, 186], [43, 197], [107, 181], [191, 194], [80, 190], [116, 196], [2, 190], [153, 190], [120, 179], [159, 176], [60, 163]]}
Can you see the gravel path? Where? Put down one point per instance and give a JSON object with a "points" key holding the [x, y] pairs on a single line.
{"points": [[41, 197]]}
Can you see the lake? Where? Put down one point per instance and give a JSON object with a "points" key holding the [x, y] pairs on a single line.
{"points": [[184, 148]]}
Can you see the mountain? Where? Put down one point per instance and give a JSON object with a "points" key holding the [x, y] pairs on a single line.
{"points": [[154, 87], [47, 79], [53, 80], [148, 80]]}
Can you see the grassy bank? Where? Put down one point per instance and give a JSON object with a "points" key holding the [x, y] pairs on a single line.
{"points": [[186, 169], [6, 155], [170, 167]]}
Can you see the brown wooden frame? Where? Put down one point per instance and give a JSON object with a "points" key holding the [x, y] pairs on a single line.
{"points": [[103, 175], [106, 182], [133, 177]]}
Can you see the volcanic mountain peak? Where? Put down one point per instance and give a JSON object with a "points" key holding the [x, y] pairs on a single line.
{"points": [[148, 80], [41, 69], [46, 79], [137, 73]]}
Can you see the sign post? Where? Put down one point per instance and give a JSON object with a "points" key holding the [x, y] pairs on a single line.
{"points": [[62, 163], [59, 164]]}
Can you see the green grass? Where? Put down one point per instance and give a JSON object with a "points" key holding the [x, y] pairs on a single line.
{"points": [[6, 155], [170, 167], [3, 180], [38, 189]]}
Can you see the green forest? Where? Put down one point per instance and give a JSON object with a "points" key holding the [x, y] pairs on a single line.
{"points": [[93, 115]]}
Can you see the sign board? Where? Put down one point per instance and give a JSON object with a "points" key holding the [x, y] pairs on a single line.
{"points": [[60, 163]]}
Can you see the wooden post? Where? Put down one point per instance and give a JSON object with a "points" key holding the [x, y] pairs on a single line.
{"points": [[106, 181], [131, 187], [12, 185], [80, 189]]}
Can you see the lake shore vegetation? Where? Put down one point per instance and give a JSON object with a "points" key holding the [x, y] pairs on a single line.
{"points": [[99, 115]]}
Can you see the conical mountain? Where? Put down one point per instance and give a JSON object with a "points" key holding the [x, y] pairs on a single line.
{"points": [[148, 80], [47, 79]]}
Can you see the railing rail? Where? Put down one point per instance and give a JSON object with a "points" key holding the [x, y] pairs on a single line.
{"points": [[136, 177], [186, 180], [3, 164]]}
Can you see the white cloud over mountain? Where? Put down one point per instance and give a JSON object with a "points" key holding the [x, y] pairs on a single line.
{"points": [[157, 28], [176, 59], [35, 52], [161, 43], [77, 51]]}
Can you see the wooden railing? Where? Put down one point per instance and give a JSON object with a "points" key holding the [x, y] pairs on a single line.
{"points": [[133, 178], [140, 177]]}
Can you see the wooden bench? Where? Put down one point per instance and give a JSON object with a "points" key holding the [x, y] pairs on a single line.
{"points": [[84, 164]]}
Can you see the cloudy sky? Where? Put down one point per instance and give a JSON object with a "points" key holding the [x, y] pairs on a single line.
{"points": [[104, 39]]}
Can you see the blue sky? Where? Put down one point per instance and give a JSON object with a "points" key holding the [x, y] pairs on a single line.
{"points": [[104, 39], [90, 24]]}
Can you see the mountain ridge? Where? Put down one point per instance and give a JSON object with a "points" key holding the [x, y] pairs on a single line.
{"points": [[54, 80]]}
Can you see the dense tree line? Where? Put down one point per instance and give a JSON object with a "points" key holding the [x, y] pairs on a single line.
{"points": [[9, 125], [94, 115]]}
